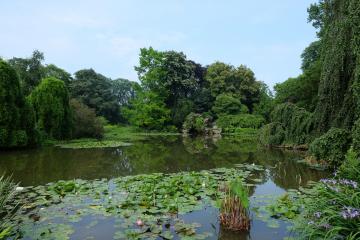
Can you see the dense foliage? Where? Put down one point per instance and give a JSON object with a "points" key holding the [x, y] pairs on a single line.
{"points": [[95, 90], [17, 123], [51, 103], [229, 123], [148, 111], [296, 122], [332, 146], [85, 122]]}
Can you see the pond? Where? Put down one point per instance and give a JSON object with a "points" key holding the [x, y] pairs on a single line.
{"points": [[165, 154]]}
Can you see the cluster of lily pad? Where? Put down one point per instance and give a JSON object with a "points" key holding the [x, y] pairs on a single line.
{"points": [[142, 206]]}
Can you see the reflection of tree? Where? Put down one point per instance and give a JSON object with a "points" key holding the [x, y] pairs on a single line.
{"points": [[155, 154], [284, 170]]}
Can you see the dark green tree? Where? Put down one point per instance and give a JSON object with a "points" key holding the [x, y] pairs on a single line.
{"points": [[30, 70], [51, 103], [239, 82], [17, 126], [85, 122], [95, 90], [53, 71]]}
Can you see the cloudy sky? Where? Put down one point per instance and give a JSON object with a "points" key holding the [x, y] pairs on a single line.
{"points": [[267, 36]]}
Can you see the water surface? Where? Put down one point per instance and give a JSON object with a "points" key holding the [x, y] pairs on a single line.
{"points": [[165, 154]]}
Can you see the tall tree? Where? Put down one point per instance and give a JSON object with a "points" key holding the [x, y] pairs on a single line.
{"points": [[172, 77], [29, 70], [95, 90], [239, 82], [51, 103], [52, 70], [17, 126], [339, 98]]}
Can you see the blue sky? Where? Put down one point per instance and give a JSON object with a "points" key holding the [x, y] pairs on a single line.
{"points": [[267, 36]]}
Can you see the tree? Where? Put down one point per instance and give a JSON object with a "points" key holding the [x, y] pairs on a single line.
{"points": [[266, 102], [95, 90], [85, 122], [51, 103], [227, 104], [172, 77], [124, 90], [239, 82], [148, 111], [302, 90], [29, 70], [53, 71], [17, 126], [339, 87]]}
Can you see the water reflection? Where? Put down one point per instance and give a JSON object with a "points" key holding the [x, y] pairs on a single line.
{"points": [[166, 154], [155, 154]]}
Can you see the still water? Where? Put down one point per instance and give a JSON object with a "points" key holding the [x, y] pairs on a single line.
{"points": [[165, 154]]}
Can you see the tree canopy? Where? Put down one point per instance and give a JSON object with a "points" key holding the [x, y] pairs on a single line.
{"points": [[51, 103]]}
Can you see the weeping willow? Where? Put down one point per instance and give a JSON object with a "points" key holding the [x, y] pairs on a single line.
{"points": [[339, 89]]}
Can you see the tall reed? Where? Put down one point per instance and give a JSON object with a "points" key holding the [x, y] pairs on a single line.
{"points": [[234, 208]]}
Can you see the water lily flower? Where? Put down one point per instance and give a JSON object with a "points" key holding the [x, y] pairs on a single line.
{"points": [[139, 223]]}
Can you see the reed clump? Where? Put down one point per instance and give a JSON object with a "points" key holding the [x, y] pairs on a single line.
{"points": [[234, 208]]}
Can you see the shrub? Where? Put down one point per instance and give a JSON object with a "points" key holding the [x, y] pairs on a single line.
{"points": [[350, 168], [331, 146], [231, 122], [196, 124], [272, 134], [85, 122]]}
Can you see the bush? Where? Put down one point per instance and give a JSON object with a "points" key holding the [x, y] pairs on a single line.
{"points": [[229, 123], [85, 122], [272, 134], [331, 146], [350, 168], [196, 124]]}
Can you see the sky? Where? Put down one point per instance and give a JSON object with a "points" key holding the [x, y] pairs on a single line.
{"points": [[267, 36]]}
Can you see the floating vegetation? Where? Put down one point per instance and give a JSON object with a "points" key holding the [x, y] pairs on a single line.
{"points": [[141, 207], [234, 210], [92, 143]]}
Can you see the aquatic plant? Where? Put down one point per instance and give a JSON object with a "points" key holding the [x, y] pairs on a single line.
{"points": [[143, 206], [331, 207], [234, 210], [7, 193]]}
